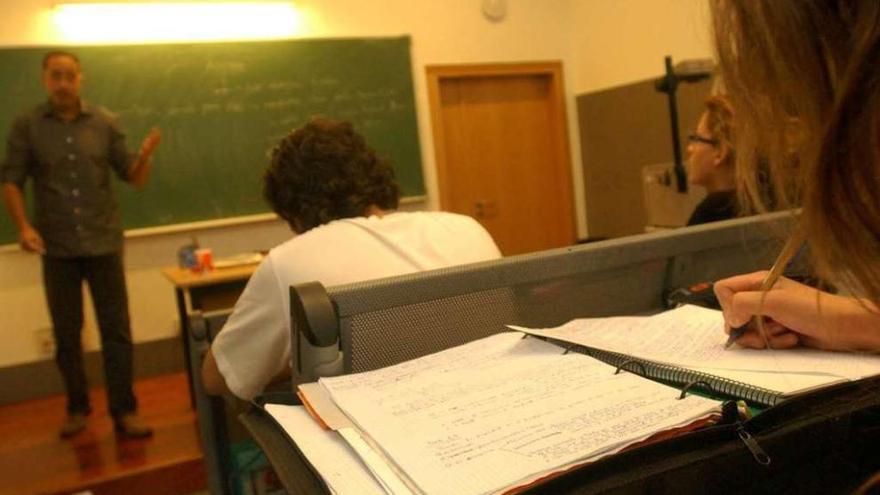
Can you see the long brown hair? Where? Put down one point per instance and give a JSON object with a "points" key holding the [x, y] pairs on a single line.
{"points": [[805, 79]]}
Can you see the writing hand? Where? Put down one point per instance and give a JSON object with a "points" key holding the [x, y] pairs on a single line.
{"points": [[796, 314], [30, 240]]}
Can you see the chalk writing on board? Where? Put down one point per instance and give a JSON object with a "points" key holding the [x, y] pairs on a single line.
{"points": [[282, 112]]}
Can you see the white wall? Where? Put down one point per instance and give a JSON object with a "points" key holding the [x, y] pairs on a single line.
{"points": [[621, 41], [602, 43]]}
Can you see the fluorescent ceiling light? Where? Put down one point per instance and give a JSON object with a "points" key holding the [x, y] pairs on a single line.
{"points": [[176, 21]]}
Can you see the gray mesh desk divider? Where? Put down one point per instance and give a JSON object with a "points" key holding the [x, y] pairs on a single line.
{"points": [[384, 322], [387, 321], [210, 411]]}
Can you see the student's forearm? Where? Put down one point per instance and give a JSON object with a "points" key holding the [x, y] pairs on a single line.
{"points": [[859, 325], [212, 379], [215, 383], [284, 376], [13, 199]]}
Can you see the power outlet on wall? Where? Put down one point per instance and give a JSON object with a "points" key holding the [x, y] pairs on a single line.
{"points": [[45, 342]]}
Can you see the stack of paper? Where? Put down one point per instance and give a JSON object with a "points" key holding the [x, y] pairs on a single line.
{"points": [[495, 414], [505, 411]]}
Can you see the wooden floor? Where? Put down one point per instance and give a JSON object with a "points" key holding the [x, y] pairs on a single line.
{"points": [[34, 460]]}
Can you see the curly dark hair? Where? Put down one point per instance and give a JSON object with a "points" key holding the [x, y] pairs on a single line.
{"points": [[325, 171]]}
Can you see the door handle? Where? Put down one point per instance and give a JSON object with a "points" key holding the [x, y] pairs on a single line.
{"points": [[485, 208]]}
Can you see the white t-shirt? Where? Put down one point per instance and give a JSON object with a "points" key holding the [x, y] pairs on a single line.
{"points": [[254, 345]]}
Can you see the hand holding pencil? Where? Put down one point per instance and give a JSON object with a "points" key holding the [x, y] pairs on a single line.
{"points": [[794, 314], [782, 307], [786, 259]]}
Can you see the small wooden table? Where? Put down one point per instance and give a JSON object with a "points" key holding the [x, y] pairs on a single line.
{"points": [[205, 291]]}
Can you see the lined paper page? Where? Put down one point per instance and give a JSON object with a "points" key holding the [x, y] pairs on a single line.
{"points": [[492, 414], [691, 336], [340, 468]]}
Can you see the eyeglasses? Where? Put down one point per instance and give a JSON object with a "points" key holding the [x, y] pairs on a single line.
{"points": [[696, 138]]}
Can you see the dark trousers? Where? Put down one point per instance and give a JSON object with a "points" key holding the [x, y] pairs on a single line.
{"points": [[62, 279]]}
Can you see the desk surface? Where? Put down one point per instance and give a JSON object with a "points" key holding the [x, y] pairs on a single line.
{"points": [[184, 278]]}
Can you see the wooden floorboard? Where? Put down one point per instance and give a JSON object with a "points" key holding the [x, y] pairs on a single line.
{"points": [[34, 460]]}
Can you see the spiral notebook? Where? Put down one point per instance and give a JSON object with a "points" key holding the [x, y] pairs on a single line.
{"points": [[685, 347], [495, 415], [506, 412]]}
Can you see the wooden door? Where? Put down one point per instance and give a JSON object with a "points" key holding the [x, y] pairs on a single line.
{"points": [[502, 151]]}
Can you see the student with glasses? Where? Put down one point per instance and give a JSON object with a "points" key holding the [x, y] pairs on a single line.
{"points": [[711, 163]]}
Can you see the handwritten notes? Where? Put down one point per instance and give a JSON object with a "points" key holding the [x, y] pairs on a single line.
{"points": [[500, 411], [693, 337]]}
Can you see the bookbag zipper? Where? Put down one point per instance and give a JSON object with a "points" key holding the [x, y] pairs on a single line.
{"points": [[758, 453]]}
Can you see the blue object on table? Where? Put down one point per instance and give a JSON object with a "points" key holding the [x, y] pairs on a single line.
{"points": [[186, 256]]}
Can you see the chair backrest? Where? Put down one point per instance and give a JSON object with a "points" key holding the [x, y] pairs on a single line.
{"points": [[211, 411], [383, 322]]}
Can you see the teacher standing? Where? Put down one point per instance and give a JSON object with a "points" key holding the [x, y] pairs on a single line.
{"points": [[69, 148]]}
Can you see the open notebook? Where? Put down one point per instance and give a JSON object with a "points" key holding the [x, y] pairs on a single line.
{"points": [[501, 413], [495, 414], [686, 345]]}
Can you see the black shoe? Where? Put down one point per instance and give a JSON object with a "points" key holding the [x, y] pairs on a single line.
{"points": [[130, 426], [75, 423]]}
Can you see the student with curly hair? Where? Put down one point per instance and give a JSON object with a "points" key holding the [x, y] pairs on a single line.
{"points": [[339, 198]]}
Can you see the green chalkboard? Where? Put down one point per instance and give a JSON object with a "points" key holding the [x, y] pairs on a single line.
{"points": [[223, 106]]}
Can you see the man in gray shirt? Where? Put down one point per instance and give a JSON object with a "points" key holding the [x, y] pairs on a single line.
{"points": [[69, 149]]}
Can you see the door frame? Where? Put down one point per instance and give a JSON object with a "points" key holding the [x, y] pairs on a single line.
{"points": [[437, 73]]}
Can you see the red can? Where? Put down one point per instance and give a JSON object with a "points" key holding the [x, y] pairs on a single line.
{"points": [[204, 259]]}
